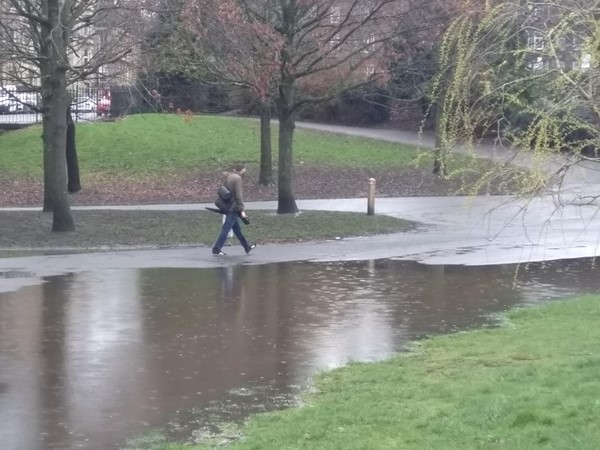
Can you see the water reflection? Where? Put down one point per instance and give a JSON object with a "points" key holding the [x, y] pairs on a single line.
{"points": [[15, 274], [87, 360]]}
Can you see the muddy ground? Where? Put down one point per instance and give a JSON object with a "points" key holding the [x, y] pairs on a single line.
{"points": [[309, 183]]}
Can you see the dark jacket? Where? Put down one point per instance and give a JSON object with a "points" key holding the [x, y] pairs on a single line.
{"points": [[234, 183]]}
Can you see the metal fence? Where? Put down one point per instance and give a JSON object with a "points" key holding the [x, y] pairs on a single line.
{"points": [[20, 107]]}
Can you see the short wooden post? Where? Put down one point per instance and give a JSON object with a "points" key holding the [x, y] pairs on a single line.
{"points": [[371, 200]]}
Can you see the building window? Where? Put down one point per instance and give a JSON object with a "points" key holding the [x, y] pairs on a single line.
{"points": [[369, 44], [586, 61], [334, 42], [537, 63], [536, 41], [364, 11], [335, 15]]}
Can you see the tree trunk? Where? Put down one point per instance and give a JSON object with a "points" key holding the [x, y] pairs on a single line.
{"points": [[286, 202], [55, 101], [266, 155], [439, 156], [73, 180], [54, 137], [47, 197]]}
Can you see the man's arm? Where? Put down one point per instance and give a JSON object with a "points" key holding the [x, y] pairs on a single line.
{"points": [[239, 194]]}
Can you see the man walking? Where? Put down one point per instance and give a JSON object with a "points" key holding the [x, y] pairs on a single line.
{"points": [[234, 210]]}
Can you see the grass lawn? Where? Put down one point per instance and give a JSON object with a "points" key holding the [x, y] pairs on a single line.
{"points": [[171, 158], [532, 384], [169, 143], [104, 228]]}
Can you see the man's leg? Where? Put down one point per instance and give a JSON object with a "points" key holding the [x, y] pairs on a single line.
{"points": [[230, 220], [237, 230]]}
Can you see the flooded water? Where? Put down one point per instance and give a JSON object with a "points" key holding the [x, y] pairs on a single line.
{"points": [[88, 360]]}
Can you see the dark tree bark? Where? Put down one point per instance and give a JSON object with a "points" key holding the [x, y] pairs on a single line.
{"points": [[286, 201], [55, 100], [439, 156], [73, 180], [47, 196], [266, 154]]}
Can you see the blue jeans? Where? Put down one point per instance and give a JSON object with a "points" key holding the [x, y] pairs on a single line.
{"points": [[231, 223]]}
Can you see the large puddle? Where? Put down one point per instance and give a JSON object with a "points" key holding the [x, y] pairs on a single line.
{"points": [[88, 360]]}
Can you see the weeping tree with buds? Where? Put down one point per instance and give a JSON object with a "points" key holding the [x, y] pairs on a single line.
{"points": [[307, 51], [525, 72]]}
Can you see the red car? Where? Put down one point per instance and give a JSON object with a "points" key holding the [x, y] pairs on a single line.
{"points": [[103, 107]]}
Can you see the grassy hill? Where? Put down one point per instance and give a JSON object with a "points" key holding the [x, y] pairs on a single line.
{"points": [[157, 158], [164, 143]]}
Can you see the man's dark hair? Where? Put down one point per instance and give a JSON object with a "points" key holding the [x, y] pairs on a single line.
{"points": [[239, 166]]}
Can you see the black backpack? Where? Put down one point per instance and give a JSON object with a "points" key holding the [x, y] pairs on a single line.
{"points": [[224, 194], [224, 199]]}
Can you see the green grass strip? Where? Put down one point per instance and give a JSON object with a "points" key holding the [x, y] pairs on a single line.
{"points": [[105, 228]]}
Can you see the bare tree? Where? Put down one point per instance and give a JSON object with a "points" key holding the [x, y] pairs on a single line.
{"points": [[52, 44], [319, 49], [225, 40]]}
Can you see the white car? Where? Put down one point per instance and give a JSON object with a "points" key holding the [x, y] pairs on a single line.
{"points": [[8, 105], [12, 102], [5, 104], [83, 104], [27, 102]]}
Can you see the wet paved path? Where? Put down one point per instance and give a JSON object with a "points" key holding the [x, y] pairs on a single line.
{"points": [[455, 230], [582, 174]]}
